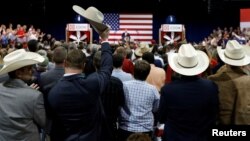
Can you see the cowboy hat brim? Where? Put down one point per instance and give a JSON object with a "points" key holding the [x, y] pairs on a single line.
{"points": [[30, 59], [98, 27], [241, 62], [203, 63]]}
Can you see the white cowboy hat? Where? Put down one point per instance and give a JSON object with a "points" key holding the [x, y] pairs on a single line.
{"points": [[188, 61], [94, 16], [143, 47], [234, 54], [18, 59]]}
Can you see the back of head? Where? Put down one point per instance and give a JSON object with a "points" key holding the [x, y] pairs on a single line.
{"points": [[97, 59], [121, 50], [43, 66], [42, 52], [118, 60], [138, 137], [141, 70], [80, 45], [57, 44], [33, 45], [18, 45], [92, 48], [72, 46], [75, 59], [129, 53], [149, 57], [59, 55]]}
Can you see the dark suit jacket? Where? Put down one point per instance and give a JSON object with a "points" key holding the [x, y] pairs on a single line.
{"points": [[112, 99], [188, 108], [49, 79], [124, 37], [74, 103]]}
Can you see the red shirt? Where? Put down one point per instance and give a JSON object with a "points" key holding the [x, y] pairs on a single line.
{"points": [[128, 66], [20, 33]]}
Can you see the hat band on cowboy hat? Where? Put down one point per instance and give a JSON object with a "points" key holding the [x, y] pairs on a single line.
{"points": [[18, 59], [234, 54], [234, 57], [188, 61]]}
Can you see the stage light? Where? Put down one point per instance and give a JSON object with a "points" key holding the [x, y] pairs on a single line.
{"points": [[171, 19], [79, 18]]}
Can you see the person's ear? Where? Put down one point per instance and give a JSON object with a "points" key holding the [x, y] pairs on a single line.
{"points": [[19, 73]]}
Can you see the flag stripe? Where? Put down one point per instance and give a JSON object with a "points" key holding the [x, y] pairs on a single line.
{"points": [[132, 32], [115, 34], [136, 21], [244, 18], [145, 19], [245, 15], [142, 40], [139, 26], [136, 29], [133, 37], [136, 26], [136, 16], [245, 24], [116, 42]]}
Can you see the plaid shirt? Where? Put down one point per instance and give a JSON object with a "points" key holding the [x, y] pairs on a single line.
{"points": [[141, 99]]}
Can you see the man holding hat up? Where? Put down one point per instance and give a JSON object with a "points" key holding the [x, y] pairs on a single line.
{"points": [[74, 100]]}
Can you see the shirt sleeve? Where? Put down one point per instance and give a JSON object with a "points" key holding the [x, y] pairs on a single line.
{"points": [[162, 107], [156, 100], [106, 66]]}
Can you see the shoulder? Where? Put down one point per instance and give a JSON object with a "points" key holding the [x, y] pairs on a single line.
{"points": [[242, 81], [47, 73], [115, 80], [219, 76], [206, 82], [160, 70], [30, 93], [151, 87], [128, 74], [169, 86]]}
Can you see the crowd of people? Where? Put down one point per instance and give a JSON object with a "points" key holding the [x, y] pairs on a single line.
{"points": [[53, 90]]}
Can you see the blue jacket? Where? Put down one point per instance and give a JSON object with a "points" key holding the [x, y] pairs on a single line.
{"points": [[75, 106], [188, 108]]}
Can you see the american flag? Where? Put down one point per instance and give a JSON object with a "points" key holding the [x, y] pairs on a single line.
{"points": [[139, 26]]}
